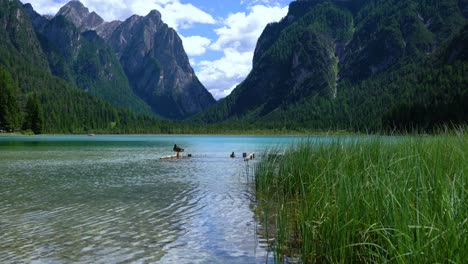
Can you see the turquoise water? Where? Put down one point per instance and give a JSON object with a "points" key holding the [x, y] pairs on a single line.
{"points": [[109, 199]]}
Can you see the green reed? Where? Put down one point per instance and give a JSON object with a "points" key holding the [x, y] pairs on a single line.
{"points": [[399, 200]]}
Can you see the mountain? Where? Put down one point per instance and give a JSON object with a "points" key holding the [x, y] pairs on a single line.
{"points": [[84, 20], [158, 68], [17, 35], [25, 74], [80, 16], [85, 60], [341, 64], [152, 57]]}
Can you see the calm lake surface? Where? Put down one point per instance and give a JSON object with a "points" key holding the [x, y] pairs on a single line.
{"points": [[109, 199]]}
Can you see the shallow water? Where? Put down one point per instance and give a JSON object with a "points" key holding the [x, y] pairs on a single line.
{"points": [[109, 199]]}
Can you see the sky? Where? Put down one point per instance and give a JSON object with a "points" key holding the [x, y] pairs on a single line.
{"points": [[219, 36]]}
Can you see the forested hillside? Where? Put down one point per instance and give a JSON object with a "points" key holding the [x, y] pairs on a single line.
{"points": [[25, 75], [85, 60], [356, 65], [145, 55], [76, 79], [56, 79], [360, 65]]}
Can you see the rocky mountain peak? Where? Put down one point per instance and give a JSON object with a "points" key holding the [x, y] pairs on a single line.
{"points": [[38, 21], [75, 12], [154, 14], [151, 54], [80, 16], [28, 7], [92, 21], [158, 68]]}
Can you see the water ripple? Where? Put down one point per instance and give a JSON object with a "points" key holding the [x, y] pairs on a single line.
{"points": [[117, 202]]}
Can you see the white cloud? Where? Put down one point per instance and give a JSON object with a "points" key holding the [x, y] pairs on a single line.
{"points": [[195, 45], [237, 39], [262, 2], [242, 30], [237, 33], [192, 61], [222, 75], [174, 13], [109, 9], [46, 7]]}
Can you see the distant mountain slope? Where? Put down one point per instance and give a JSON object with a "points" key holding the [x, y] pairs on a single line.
{"points": [[85, 60], [158, 68], [315, 67], [152, 57], [24, 70], [17, 35], [80, 16], [415, 95]]}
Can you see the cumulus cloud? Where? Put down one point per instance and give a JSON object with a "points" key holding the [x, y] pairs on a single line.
{"points": [[263, 2], [237, 39], [174, 13], [195, 45], [46, 7], [236, 33], [221, 76]]}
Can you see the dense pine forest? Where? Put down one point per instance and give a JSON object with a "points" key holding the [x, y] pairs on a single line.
{"points": [[373, 66]]}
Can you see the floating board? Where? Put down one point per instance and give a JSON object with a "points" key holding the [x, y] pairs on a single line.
{"points": [[171, 157]]}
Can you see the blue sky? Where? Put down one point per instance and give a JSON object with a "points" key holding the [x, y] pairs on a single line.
{"points": [[219, 36]]}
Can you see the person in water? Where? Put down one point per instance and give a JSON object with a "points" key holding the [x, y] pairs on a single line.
{"points": [[232, 155]]}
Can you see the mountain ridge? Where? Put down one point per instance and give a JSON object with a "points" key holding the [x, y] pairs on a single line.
{"points": [[152, 57], [158, 72], [353, 65], [85, 60], [25, 74], [322, 49], [84, 20]]}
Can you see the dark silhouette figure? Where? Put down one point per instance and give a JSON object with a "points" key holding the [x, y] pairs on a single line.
{"points": [[232, 155], [177, 149]]}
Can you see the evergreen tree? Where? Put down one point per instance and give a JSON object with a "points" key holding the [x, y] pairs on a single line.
{"points": [[10, 115], [34, 115]]}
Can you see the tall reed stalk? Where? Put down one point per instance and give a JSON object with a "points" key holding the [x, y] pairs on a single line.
{"points": [[399, 200]]}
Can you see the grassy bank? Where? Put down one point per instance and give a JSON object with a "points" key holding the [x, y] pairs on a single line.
{"points": [[403, 200]]}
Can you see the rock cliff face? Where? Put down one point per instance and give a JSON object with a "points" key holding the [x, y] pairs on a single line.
{"points": [[84, 59], [321, 43], [153, 58], [25, 72], [17, 34], [80, 16], [158, 68]]}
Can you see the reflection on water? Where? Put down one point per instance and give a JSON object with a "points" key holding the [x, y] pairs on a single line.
{"points": [[110, 199]]}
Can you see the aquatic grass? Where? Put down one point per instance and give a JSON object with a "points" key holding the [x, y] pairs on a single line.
{"points": [[373, 199]]}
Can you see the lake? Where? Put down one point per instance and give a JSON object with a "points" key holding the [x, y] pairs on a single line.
{"points": [[109, 199]]}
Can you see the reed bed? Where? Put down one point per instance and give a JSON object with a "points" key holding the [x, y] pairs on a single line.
{"points": [[398, 200]]}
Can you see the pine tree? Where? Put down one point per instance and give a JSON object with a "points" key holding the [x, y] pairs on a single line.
{"points": [[10, 114], [34, 115]]}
